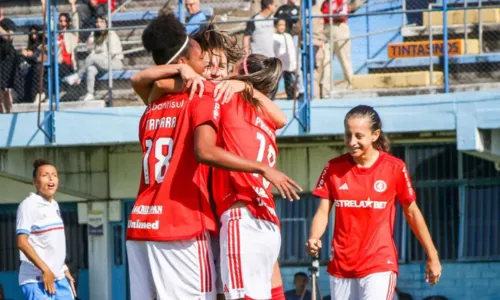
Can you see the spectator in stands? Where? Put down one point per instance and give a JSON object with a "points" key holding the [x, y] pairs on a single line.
{"points": [[195, 17], [98, 58], [165, 10], [290, 13], [341, 43], [258, 36], [321, 55], [89, 10], [284, 49], [66, 44], [31, 66], [9, 62], [300, 280]]}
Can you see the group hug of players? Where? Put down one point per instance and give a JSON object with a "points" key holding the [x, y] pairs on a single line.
{"points": [[204, 224]]}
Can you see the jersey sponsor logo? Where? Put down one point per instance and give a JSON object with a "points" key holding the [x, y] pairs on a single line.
{"points": [[148, 210], [166, 105], [380, 186], [344, 187], [144, 225], [321, 181], [408, 184], [262, 125], [165, 122], [361, 204]]}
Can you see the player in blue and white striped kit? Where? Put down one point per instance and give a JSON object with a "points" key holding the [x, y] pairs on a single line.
{"points": [[43, 273]]}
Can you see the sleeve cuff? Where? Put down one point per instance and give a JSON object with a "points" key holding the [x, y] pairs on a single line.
{"points": [[22, 231], [321, 194]]}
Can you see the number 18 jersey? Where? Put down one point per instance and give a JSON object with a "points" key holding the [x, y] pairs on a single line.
{"points": [[172, 202], [247, 132]]}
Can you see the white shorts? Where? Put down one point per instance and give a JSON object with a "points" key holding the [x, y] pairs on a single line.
{"points": [[376, 286], [174, 270], [249, 248]]}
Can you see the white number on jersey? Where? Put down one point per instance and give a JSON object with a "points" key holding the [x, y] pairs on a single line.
{"points": [[161, 160], [271, 156]]}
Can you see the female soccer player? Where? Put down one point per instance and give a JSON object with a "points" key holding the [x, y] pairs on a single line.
{"points": [[363, 184], [263, 74], [40, 237]]}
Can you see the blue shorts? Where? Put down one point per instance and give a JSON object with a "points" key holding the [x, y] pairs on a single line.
{"points": [[36, 291]]}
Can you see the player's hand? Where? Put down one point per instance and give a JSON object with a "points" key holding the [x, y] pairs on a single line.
{"points": [[48, 281], [227, 88], [71, 282], [313, 246], [433, 271], [192, 80], [283, 183]]}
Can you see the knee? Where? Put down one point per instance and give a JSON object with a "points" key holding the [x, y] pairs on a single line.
{"points": [[92, 71]]}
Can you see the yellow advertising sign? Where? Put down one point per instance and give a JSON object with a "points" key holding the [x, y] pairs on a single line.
{"points": [[419, 49]]}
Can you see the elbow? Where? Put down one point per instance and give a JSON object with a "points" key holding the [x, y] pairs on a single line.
{"points": [[204, 155], [135, 79], [281, 122]]}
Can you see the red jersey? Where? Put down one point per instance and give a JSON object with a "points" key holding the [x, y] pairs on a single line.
{"points": [[365, 210], [172, 202], [247, 132]]}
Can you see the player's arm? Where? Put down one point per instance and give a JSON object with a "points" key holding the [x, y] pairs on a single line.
{"points": [[226, 89], [28, 250], [207, 152], [417, 224], [318, 226], [143, 81]]}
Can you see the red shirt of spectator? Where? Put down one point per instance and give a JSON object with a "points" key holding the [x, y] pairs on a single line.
{"points": [[340, 7], [113, 3], [66, 56]]}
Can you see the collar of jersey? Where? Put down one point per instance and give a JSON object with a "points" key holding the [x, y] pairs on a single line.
{"points": [[366, 171], [41, 200]]}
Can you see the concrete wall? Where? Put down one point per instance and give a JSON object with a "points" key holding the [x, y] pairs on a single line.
{"points": [[460, 281]]}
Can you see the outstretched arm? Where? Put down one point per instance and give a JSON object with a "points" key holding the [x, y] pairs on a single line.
{"points": [[318, 227], [207, 152], [419, 228]]}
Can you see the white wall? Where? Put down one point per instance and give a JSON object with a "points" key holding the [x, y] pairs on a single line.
{"points": [[13, 191]]}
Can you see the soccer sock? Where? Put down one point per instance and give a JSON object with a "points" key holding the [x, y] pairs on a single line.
{"points": [[278, 293]]}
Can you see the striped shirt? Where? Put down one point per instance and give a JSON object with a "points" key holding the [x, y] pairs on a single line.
{"points": [[41, 221]]}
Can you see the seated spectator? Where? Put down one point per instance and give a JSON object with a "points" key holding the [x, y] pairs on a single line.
{"points": [[284, 49], [66, 44], [89, 10], [196, 16], [98, 57], [31, 66], [402, 296], [9, 62], [300, 280]]}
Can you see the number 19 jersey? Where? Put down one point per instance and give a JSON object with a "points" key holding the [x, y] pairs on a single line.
{"points": [[172, 202], [247, 132]]}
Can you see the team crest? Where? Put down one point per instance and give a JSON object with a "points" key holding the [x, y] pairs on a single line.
{"points": [[380, 186]]}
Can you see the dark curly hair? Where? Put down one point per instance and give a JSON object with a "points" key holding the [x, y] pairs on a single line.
{"points": [[163, 37]]}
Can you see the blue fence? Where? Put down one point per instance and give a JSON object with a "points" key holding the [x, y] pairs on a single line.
{"points": [[458, 194]]}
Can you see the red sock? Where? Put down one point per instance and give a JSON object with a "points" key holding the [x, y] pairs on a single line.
{"points": [[278, 293]]}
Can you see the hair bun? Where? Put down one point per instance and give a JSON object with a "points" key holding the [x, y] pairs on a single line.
{"points": [[40, 162]]}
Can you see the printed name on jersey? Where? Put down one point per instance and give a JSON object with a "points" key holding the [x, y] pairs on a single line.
{"points": [[144, 225], [408, 184], [216, 111], [380, 186], [147, 210], [361, 204], [321, 181], [262, 125], [165, 122]]}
